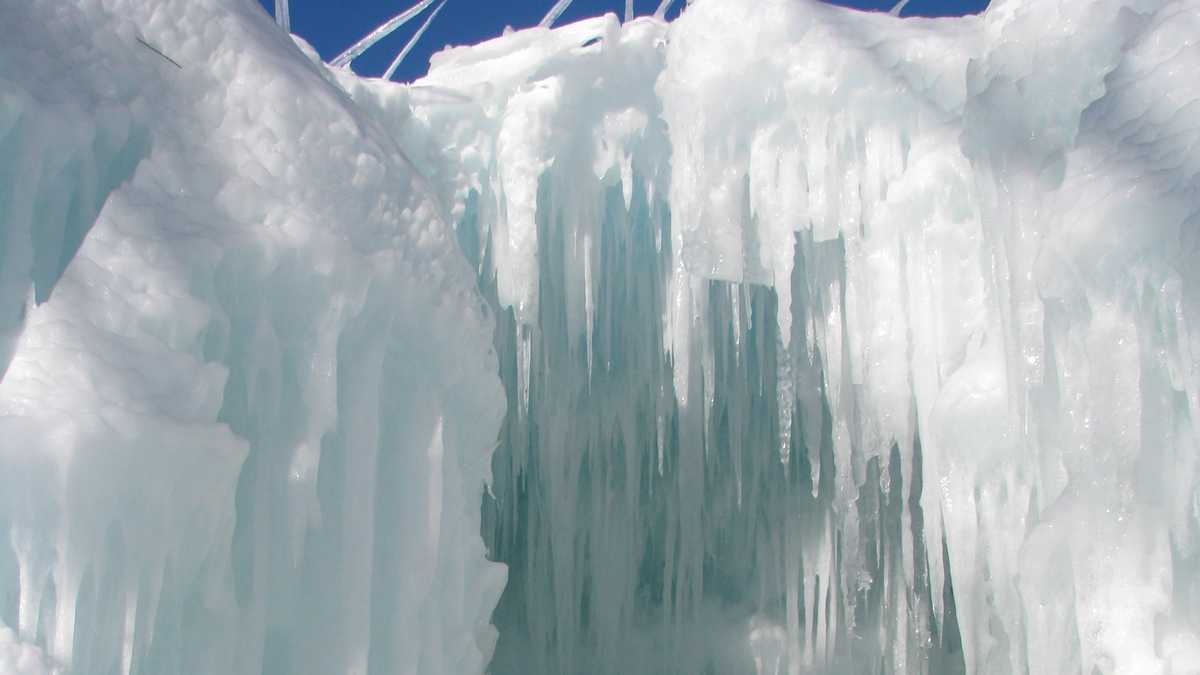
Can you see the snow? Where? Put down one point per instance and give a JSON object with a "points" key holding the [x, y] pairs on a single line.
{"points": [[23, 659], [785, 339]]}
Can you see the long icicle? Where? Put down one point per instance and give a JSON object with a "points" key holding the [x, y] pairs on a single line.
{"points": [[378, 34], [413, 41], [282, 17], [661, 12], [628, 11], [899, 7], [555, 11]]}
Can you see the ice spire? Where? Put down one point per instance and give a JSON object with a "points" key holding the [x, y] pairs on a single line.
{"points": [[378, 34], [555, 11], [281, 15], [413, 41]]}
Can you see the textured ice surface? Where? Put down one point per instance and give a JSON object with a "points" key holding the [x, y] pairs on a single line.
{"points": [[831, 342], [838, 342], [248, 396]]}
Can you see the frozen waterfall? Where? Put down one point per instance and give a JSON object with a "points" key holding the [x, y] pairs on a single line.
{"points": [[776, 339]]}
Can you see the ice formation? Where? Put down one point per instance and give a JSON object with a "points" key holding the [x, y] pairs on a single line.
{"points": [[412, 41], [248, 396], [388, 27], [826, 342]]}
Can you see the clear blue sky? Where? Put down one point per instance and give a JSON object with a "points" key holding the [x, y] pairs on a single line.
{"points": [[333, 25]]}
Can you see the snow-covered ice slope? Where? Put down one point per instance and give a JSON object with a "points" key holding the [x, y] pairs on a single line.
{"points": [[838, 342], [831, 342], [248, 396]]}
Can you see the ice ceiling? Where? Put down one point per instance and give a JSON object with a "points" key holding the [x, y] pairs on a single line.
{"points": [[781, 338]]}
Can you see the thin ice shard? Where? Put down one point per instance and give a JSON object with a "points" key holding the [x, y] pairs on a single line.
{"points": [[555, 11], [628, 10], [899, 7], [282, 17], [663, 7], [413, 41], [378, 34]]}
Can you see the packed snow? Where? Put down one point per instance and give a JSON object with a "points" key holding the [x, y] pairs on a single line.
{"points": [[778, 338]]}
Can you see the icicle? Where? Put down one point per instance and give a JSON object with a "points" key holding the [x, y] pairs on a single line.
{"points": [[786, 400], [589, 301], [735, 301], [628, 11], [413, 41], [130, 623], [379, 33], [627, 179], [555, 11], [663, 7], [660, 438], [796, 613], [282, 17], [524, 359], [899, 7]]}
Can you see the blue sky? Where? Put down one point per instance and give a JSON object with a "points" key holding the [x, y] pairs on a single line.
{"points": [[333, 25]]}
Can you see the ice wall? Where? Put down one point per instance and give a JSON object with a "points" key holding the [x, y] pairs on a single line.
{"points": [[837, 342], [248, 393], [831, 342]]}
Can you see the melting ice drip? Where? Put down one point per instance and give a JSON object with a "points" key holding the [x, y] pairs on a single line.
{"points": [[830, 342]]}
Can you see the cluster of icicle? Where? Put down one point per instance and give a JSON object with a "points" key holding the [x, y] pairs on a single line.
{"points": [[830, 342], [838, 342], [247, 393]]}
